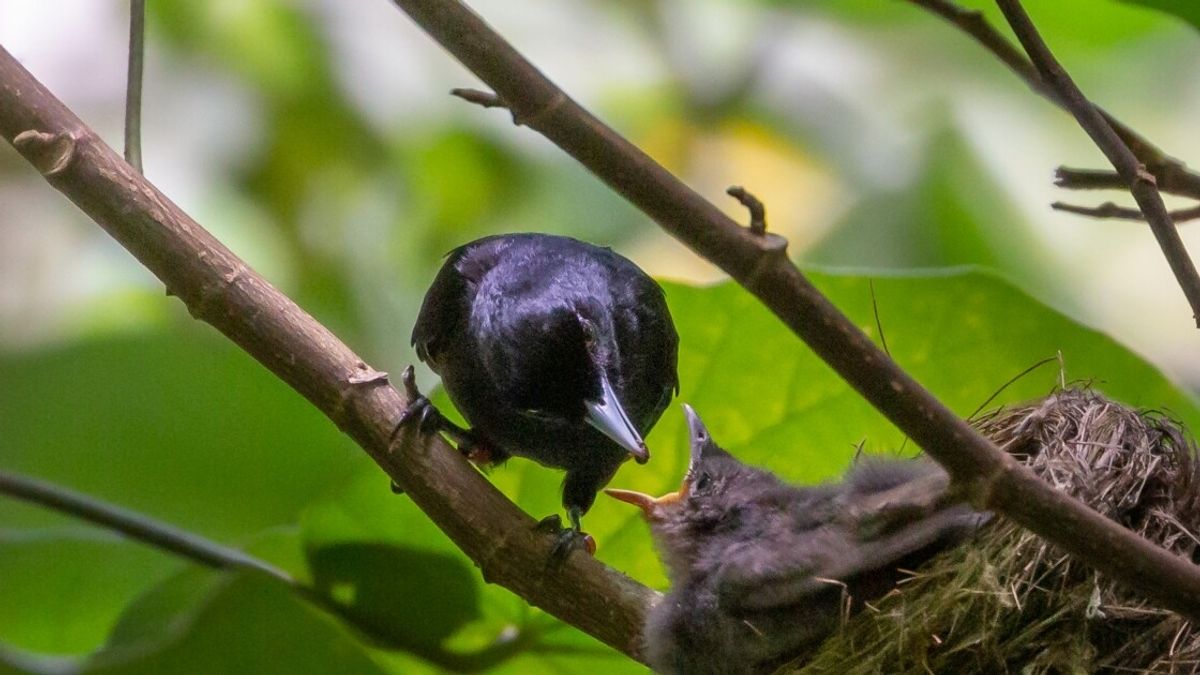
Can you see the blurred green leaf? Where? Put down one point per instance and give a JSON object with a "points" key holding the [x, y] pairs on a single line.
{"points": [[1188, 10], [404, 597], [243, 623], [164, 609], [62, 588], [951, 213], [366, 541], [181, 425]]}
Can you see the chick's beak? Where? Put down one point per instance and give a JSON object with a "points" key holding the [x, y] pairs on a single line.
{"points": [[609, 418], [650, 506]]}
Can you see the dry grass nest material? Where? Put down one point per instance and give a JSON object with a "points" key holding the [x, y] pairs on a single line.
{"points": [[1006, 602]]}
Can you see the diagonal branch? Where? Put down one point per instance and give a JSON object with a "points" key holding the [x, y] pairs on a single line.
{"points": [[136, 526], [989, 477], [1141, 183], [219, 288], [1141, 166], [1172, 175]]}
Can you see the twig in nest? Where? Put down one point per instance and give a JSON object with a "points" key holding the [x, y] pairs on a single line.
{"points": [[758, 212], [1009, 599]]}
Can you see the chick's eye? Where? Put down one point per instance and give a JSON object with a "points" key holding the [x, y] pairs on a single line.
{"points": [[702, 482]]}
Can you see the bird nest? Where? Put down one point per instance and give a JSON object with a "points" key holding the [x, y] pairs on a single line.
{"points": [[1008, 602]]}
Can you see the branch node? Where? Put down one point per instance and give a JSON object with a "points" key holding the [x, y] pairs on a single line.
{"points": [[487, 99], [1105, 210], [367, 375], [50, 153], [408, 378], [758, 212], [1088, 179], [1143, 175], [213, 295], [481, 98]]}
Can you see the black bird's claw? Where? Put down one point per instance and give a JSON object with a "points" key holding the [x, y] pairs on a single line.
{"points": [[566, 539], [428, 418]]}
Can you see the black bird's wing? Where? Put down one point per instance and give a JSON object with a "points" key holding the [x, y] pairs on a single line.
{"points": [[647, 337], [447, 303]]}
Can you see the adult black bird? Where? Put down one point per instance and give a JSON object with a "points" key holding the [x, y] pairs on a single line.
{"points": [[761, 571], [554, 350]]}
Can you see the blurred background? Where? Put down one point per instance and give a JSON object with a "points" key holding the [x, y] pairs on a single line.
{"points": [[316, 139]]}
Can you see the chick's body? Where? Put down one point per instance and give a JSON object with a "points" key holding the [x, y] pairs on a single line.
{"points": [[532, 334], [762, 571]]}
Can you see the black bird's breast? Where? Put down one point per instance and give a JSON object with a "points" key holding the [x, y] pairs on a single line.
{"points": [[514, 324]]}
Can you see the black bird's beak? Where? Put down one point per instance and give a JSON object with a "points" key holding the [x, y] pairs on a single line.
{"points": [[609, 418], [701, 443]]}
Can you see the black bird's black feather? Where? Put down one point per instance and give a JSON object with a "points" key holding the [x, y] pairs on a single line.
{"points": [[761, 571], [525, 328]]}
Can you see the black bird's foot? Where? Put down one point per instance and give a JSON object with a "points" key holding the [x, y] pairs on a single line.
{"points": [[566, 539], [429, 419]]}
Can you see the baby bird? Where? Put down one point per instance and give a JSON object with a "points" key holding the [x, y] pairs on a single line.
{"points": [[761, 570]]}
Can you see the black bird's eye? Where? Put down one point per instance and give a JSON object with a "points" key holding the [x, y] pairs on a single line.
{"points": [[702, 482]]}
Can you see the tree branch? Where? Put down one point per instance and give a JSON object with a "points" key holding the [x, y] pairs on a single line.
{"points": [[987, 476], [135, 525], [133, 84], [1139, 182], [1172, 175], [1111, 210], [222, 290], [1046, 77]]}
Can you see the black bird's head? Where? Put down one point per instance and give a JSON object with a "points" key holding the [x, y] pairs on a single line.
{"points": [[561, 369], [716, 496]]}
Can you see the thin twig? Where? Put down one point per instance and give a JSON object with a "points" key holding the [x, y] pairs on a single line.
{"points": [[133, 84], [484, 99], [1012, 380], [135, 525], [219, 288], [1115, 212], [1088, 179], [878, 321], [986, 475], [1141, 183], [758, 212], [1172, 175]]}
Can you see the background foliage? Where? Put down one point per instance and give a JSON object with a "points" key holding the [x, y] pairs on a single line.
{"points": [[315, 140]]}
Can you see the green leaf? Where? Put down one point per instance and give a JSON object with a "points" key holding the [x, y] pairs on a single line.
{"points": [[181, 426], [951, 213], [244, 623], [770, 401], [1188, 10], [64, 587]]}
